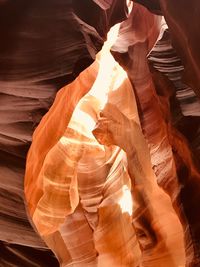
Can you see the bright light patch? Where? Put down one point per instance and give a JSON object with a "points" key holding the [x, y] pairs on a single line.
{"points": [[109, 78], [104, 81], [125, 201]]}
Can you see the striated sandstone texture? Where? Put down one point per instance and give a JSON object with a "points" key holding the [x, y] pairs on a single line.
{"points": [[114, 187]]}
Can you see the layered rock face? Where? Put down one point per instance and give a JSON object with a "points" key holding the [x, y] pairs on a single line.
{"points": [[44, 45], [104, 216], [176, 169], [184, 34], [94, 182]]}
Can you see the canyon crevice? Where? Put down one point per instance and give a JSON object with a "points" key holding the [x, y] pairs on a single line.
{"points": [[55, 69]]}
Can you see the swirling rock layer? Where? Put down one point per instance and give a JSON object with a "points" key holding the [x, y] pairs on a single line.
{"points": [[45, 45]]}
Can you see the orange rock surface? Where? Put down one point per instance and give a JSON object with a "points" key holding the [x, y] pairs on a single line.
{"points": [[95, 204]]}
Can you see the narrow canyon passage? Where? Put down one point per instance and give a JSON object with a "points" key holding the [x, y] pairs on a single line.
{"points": [[83, 187], [99, 133]]}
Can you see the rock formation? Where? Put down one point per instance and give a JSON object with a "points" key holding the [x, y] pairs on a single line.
{"points": [[50, 45]]}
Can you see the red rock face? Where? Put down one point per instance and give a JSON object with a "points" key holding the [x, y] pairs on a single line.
{"points": [[44, 45], [79, 176], [93, 203], [175, 169], [184, 34], [177, 15]]}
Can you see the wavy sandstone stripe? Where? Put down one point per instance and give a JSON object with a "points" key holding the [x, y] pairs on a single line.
{"points": [[185, 35]]}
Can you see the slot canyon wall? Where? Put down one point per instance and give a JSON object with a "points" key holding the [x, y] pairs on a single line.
{"points": [[48, 45]]}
